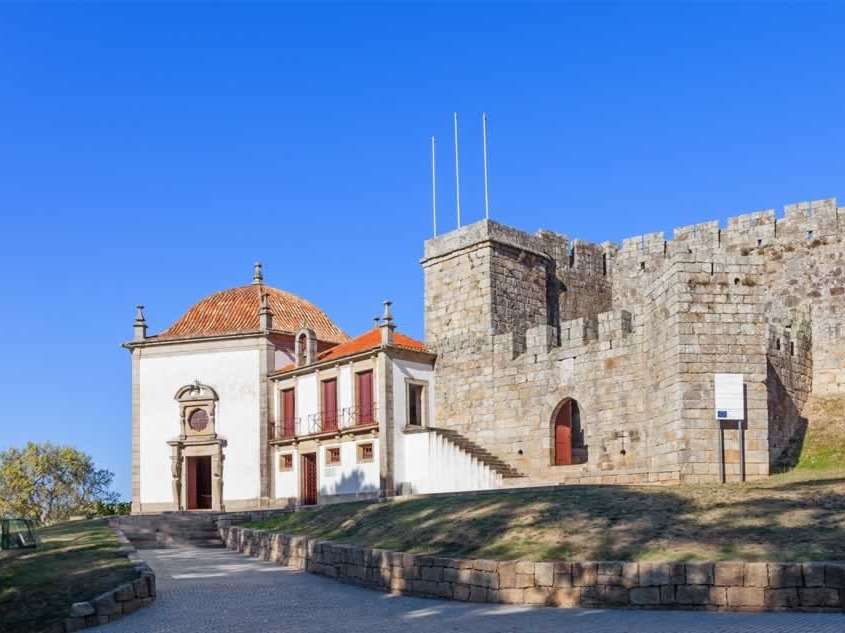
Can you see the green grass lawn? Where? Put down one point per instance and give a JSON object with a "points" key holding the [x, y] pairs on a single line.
{"points": [[824, 443], [76, 561], [792, 517]]}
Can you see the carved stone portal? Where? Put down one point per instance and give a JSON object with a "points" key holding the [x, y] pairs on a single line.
{"points": [[197, 438]]}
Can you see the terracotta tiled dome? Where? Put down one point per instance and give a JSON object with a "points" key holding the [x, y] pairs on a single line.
{"points": [[236, 310]]}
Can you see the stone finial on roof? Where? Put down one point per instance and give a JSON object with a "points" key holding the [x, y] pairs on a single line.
{"points": [[140, 325], [257, 274], [265, 314]]}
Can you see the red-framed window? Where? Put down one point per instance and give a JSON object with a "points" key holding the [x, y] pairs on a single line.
{"points": [[333, 455]]}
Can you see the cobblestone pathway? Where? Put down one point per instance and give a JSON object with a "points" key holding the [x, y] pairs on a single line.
{"points": [[205, 591]]}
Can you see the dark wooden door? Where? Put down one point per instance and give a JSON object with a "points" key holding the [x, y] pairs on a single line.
{"points": [[204, 483], [563, 435], [198, 483], [330, 405], [308, 494], [365, 397]]}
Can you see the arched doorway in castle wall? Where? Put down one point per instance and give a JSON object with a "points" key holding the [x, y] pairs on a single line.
{"points": [[568, 445]]}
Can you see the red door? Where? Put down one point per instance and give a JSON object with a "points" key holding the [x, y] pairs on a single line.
{"points": [[288, 410], [330, 405], [191, 483], [563, 435], [198, 483], [308, 494], [365, 397]]}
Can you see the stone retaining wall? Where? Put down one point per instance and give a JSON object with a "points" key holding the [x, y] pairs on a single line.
{"points": [[730, 586], [114, 604]]}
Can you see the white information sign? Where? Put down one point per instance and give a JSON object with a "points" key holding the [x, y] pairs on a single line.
{"points": [[730, 396]]}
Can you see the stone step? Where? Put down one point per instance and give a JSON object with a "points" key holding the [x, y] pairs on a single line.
{"points": [[170, 530]]}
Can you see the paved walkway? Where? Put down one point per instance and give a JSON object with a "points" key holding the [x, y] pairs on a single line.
{"points": [[206, 591]]}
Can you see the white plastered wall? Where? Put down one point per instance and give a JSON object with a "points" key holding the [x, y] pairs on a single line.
{"points": [[404, 370], [232, 370], [426, 462], [350, 477], [282, 357]]}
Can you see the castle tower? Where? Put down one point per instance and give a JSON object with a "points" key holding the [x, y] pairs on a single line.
{"points": [[486, 286]]}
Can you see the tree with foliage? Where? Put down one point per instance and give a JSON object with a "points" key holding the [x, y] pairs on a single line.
{"points": [[49, 483]]}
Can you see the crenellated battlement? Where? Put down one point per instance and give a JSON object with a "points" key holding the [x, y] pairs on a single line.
{"points": [[804, 220], [801, 221], [603, 327], [817, 219], [650, 243]]}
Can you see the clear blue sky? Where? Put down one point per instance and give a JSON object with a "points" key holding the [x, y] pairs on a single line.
{"points": [[150, 153]]}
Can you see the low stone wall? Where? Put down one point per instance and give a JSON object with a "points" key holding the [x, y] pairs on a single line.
{"points": [[225, 519], [114, 604], [730, 586]]}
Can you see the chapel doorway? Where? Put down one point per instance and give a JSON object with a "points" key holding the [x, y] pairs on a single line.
{"points": [[308, 492], [198, 483]]}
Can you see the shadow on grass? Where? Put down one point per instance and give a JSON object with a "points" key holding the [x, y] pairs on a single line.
{"points": [[809, 483], [799, 521], [75, 562]]}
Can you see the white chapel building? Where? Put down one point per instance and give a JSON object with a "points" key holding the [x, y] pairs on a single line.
{"points": [[255, 398]]}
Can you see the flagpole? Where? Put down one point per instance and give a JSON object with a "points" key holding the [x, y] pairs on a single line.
{"points": [[486, 194], [434, 184], [457, 171]]}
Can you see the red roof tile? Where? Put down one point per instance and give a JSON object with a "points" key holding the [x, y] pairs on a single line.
{"points": [[365, 342], [235, 311]]}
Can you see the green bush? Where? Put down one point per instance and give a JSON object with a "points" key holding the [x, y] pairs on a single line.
{"points": [[110, 509]]}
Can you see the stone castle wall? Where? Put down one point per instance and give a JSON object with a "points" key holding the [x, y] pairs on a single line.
{"points": [[634, 333]]}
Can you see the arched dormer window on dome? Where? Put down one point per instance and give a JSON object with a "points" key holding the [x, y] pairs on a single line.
{"points": [[305, 345]]}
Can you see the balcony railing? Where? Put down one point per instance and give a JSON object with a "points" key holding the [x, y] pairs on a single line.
{"points": [[325, 422]]}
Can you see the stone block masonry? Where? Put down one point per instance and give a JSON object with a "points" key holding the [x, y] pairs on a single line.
{"points": [[634, 334], [115, 603], [723, 586]]}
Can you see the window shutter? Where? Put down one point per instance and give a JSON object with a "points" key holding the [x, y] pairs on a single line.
{"points": [[365, 397], [330, 405], [288, 412]]}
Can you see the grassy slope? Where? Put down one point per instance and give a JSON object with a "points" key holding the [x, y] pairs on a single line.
{"points": [[799, 516], [824, 443], [77, 561]]}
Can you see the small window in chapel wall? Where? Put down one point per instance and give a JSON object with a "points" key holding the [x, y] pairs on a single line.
{"points": [[286, 461], [415, 405], [333, 455]]}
